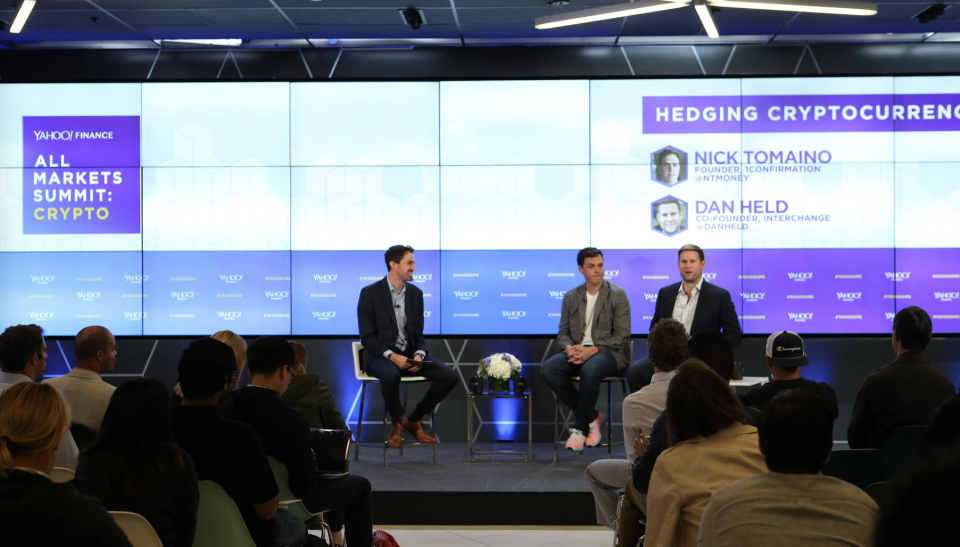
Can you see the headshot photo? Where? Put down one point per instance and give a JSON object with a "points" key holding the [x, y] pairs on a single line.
{"points": [[669, 165], [669, 215]]}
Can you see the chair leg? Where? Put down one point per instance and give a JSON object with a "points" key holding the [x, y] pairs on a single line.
{"points": [[363, 395], [386, 435], [405, 388], [556, 426], [610, 420], [433, 427]]}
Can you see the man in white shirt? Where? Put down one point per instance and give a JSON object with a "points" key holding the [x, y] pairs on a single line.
{"points": [[667, 346], [696, 303], [594, 339], [82, 388]]}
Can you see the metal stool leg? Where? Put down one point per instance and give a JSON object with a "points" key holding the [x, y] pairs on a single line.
{"points": [[556, 426], [405, 388], [610, 420], [363, 393], [433, 427]]}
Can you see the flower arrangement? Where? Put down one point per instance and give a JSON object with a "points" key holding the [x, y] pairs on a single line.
{"points": [[499, 368]]}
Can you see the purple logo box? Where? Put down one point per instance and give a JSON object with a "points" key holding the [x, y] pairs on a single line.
{"points": [[81, 174], [801, 113]]}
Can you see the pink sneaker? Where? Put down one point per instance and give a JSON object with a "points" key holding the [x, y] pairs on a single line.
{"points": [[593, 438], [575, 442]]}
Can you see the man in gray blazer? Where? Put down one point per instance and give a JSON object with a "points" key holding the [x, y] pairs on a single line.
{"points": [[594, 340]]}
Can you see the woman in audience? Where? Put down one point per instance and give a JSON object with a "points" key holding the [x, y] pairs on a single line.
{"points": [[33, 509], [710, 447], [308, 394], [135, 465], [239, 347]]}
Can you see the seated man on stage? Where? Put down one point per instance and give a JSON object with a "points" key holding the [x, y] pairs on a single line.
{"points": [[390, 314], [594, 340], [697, 304]]}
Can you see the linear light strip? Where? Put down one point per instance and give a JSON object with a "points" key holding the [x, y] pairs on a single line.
{"points": [[834, 7], [703, 11], [604, 13], [25, 9]]}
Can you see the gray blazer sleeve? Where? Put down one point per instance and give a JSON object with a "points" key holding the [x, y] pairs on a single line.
{"points": [[621, 322], [564, 336]]}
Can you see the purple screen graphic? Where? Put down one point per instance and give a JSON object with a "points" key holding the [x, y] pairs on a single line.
{"points": [[81, 174], [930, 278]]}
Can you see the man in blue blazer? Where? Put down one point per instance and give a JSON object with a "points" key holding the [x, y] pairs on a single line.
{"points": [[390, 316], [695, 303]]}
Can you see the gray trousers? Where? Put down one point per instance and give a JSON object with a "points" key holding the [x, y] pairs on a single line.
{"points": [[607, 478]]}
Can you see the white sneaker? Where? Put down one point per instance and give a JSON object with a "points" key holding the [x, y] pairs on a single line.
{"points": [[575, 442]]}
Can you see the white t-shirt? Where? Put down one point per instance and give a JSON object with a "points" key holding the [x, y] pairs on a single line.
{"points": [[588, 330]]}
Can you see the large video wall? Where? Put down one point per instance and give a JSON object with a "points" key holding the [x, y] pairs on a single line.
{"points": [[824, 205]]}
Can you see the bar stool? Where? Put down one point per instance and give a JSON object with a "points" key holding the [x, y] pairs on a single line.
{"points": [[609, 380], [365, 379]]}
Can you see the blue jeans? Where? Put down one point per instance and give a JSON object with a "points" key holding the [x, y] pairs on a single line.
{"points": [[639, 375], [291, 530], [556, 372]]}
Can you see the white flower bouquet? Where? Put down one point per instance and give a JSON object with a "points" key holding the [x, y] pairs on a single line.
{"points": [[499, 368]]}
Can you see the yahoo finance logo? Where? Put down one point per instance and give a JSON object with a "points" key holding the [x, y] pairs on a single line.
{"points": [[324, 315], [557, 295], [890, 315], [897, 276], [182, 295], [611, 274], [422, 278], [42, 279], [466, 295], [946, 296], [134, 315], [849, 296], [277, 295], [650, 297], [426, 314], [88, 296], [752, 296], [324, 278], [41, 315], [712, 276], [229, 315], [231, 278], [800, 317], [800, 276], [514, 315], [515, 274], [136, 279]]}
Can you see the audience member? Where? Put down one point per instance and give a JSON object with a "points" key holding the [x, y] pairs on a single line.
{"points": [[904, 392], [711, 347], [286, 436], [23, 356], [921, 507], [943, 433], [87, 395], [308, 394], [785, 356], [227, 452], [710, 447], [136, 466], [666, 347], [239, 347], [33, 509], [791, 504]]}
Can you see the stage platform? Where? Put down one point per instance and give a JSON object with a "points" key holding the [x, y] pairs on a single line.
{"points": [[505, 491]]}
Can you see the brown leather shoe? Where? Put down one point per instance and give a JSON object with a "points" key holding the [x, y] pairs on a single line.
{"points": [[395, 440], [416, 429]]}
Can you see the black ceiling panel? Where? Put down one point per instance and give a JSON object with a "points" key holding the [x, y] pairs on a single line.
{"points": [[188, 65], [663, 61], [713, 58], [753, 60], [266, 64]]}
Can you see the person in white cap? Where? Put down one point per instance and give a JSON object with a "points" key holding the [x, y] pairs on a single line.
{"points": [[785, 357]]}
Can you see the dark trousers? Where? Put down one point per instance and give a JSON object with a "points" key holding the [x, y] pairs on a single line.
{"points": [[351, 494], [556, 372], [639, 375], [442, 381]]}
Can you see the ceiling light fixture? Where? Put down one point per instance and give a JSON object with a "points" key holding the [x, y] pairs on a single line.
{"points": [[833, 7], [606, 12], [703, 11], [221, 42], [22, 14]]}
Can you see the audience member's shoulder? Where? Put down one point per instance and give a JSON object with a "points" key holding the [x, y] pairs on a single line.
{"points": [[842, 490]]}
